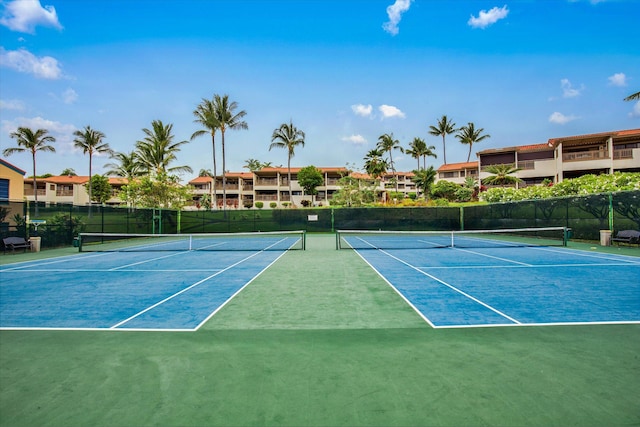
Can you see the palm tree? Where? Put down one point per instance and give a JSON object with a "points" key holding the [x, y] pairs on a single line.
{"points": [[502, 175], [31, 141], [387, 143], [205, 114], [443, 128], [633, 96], [227, 118], [205, 172], [415, 149], [287, 136], [424, 179], [419, 148], [90, 141], [470, 135], [255, 165], [128, 166], [157, 150], [375, 164]]}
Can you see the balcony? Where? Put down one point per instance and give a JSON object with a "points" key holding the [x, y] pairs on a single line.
{"points": [[581, 156], [625, 153]]}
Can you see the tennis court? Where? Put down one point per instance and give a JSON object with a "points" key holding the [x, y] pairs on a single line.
{"points": [[316, 338], [138, 282], [513, 277]]}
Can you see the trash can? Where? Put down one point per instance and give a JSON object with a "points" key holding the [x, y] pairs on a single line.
{"points": [[35, 244], [605, 237]]}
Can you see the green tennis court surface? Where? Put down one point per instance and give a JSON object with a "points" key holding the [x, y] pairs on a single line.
{"points": [[320, 339]]}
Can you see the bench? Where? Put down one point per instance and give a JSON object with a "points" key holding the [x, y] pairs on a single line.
{"points": [[14, 243], [627, 236]]}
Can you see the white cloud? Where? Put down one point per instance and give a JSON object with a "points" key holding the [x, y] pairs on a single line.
{"points": [[12, 104], [561, 119], [69, 96], [485, 18], [636, 110], [24, 61], [362, 110], [355, 139], [389, 111], [568, 91], [25, 15], [395, 12], [618, 79]]}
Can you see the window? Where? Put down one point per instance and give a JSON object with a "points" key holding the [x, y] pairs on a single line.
{"points": [[4, 189]]}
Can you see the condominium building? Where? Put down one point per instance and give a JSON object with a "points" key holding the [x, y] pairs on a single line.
{"points": [[555, 160]]}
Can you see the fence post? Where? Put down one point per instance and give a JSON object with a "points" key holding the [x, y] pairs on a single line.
{"points": [[461, 218], [611, 211]]}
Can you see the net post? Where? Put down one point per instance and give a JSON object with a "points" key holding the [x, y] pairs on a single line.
{"points": [[452, 239], [190, 242], [304, 240]]}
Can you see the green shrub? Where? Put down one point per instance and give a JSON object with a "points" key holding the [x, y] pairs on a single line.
{"points": [[259, 205], [273, 205]]}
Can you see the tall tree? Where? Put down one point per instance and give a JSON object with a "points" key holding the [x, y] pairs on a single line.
{"points": [[388, 144], [126, 166], [157, 150], [424, 179], [287, 136], [90, 142], [444, 127], [418, 148], [255, 165], [375, 164], [470, 135], [227, 118], [31, 141], [206, 116]]}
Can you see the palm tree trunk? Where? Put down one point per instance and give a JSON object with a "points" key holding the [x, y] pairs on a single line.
{"points": [[289, 179], [214, 201], [469, 156], [90, 186], [224, 176], [444, 150], [35, 183]]}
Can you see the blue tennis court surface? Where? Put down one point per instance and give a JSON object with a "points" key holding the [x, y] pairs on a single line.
{"points": [[129, 291], [455, 287]]}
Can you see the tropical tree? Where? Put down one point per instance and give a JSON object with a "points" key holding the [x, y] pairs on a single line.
{"points": [[287, 136], [375, 164], [255, 165], [101, 188], [206, 116], [68, 172], [633, 96], [468, 134], [309, 178], [227, 118], [90, 142], [418, 148], [159, 190], [126, 166], [424, 179], [157, 150], [205, 172], [444, 127], [31, 141], [388, 144], [502, 175]]}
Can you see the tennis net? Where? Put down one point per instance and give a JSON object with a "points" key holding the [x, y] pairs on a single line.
{"points": [[255, 241], [521, 237]]}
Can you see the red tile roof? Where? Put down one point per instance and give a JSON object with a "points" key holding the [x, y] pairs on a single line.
{"points": [[458, 166]]}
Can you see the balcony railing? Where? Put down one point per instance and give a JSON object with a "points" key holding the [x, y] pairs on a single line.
{"points": [[624, 153], [527, 164], [29, 192], [584, 156], [267, 181], [64, 193]]}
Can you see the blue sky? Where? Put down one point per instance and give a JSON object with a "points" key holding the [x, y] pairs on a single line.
{"points": [[345, 72]]}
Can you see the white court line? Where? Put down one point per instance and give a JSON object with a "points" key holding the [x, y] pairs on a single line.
{"points": [[455, 267], [495, 310], [494, 257], [190, 287], [58, 260], [147, 260], [582, 253]]}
